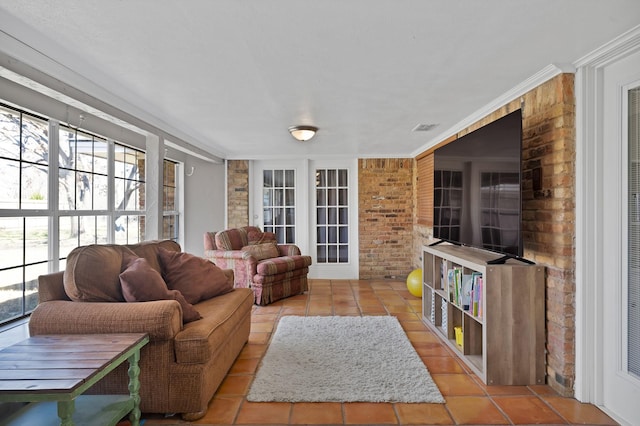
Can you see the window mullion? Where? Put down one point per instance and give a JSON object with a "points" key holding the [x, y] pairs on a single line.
{"points": [[111, 196], [54, 206]]}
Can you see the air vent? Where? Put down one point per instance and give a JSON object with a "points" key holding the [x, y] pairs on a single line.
{"points": [[423, 127]]}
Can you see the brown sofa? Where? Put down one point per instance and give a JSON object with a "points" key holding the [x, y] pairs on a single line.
{"points": [[184, 362]]}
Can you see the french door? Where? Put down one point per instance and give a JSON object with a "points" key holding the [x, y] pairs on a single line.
{"points": [[278, 200], [621, 240], [334, 222], [312, 204]]}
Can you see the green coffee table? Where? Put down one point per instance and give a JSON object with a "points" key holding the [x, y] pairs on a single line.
{"points": [[52, 372]]}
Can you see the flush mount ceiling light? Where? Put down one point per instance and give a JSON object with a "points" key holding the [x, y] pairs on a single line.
{"points": [[303, 133]]}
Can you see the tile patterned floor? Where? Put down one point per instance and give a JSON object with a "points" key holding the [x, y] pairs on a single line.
{"points": [[468, 400]]}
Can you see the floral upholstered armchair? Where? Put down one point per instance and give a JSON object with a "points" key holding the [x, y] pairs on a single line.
{"points": [[273, 271]]}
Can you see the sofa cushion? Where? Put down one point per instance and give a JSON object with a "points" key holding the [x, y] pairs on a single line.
{"points": [[282, 264], [196, 278], [92, 273], [141, 283], [262, 251]]}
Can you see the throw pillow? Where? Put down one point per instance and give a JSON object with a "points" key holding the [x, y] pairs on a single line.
{"points": [[149, 250], [141, 283], [262, 251], [256, 236], [196, 278]]}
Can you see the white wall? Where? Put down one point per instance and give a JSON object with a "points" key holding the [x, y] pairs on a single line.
{"points": [[204, 202]]}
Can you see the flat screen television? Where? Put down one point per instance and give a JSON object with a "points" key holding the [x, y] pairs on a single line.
{"points": [[477, 188]]}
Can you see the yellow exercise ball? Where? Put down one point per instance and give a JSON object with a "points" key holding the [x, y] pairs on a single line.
{"points": [[414, 282]]}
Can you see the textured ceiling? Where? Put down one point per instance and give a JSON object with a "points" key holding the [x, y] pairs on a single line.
{"points": [[234, 75]]}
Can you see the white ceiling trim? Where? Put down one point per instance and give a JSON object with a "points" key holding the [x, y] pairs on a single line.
{"points": [[529, 84], [626, 44]]}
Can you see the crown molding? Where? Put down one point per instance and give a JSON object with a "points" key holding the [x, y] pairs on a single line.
{"points": [[625, 44], [527, 85]]}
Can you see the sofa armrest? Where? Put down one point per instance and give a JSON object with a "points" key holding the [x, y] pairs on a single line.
{"points": [[51, 287], [161, 319]]}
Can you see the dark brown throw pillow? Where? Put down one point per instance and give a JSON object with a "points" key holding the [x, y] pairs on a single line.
{"points": [[195, 277], [141, 283]]}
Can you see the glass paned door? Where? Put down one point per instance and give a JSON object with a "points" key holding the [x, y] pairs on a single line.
{"points": [[279, 203], [332, 216], [633, 282], [617, 258]]}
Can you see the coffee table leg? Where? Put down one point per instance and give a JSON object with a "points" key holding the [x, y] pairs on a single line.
{"points": [[134, 388], [65, 412]]}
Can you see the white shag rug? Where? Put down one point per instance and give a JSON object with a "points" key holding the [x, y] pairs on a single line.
{"points": [[342, 359]]}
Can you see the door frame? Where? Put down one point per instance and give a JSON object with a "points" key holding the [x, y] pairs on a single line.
{"points": [[590, 195]]}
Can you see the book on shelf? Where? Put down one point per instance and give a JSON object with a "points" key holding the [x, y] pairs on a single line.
{"points": [[453, 284], [459, 287], [476, 306], [475, 293], [449, 284], [466, 290]]}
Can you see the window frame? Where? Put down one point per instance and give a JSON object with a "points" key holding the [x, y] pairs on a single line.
{"points": [[53, 213]]}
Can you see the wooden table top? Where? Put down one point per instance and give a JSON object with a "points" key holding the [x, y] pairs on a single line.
{"points": [[62, 363]]}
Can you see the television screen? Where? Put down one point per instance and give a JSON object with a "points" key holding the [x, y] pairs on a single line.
{"points": [[477, 188]]}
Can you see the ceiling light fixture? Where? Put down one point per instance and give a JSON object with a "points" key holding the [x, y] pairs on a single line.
{"points": [[303, 133]]}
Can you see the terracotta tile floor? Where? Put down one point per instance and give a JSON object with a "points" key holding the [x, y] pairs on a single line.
{"points": [[468, 400]]}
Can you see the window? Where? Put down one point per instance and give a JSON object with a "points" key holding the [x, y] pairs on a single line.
{"points": [[82, 189], [129, 200], [170, 215], [24, 223], [62, 187]]}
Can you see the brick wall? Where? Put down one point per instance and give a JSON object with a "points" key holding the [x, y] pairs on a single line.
{"points": [[385, 206], [237, 193], [549, 215], [548, 121]]}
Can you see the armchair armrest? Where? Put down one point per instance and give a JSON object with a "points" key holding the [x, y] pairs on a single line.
{"points": [[162, 319], [242, 263], [289, 250], [224, 254]]}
